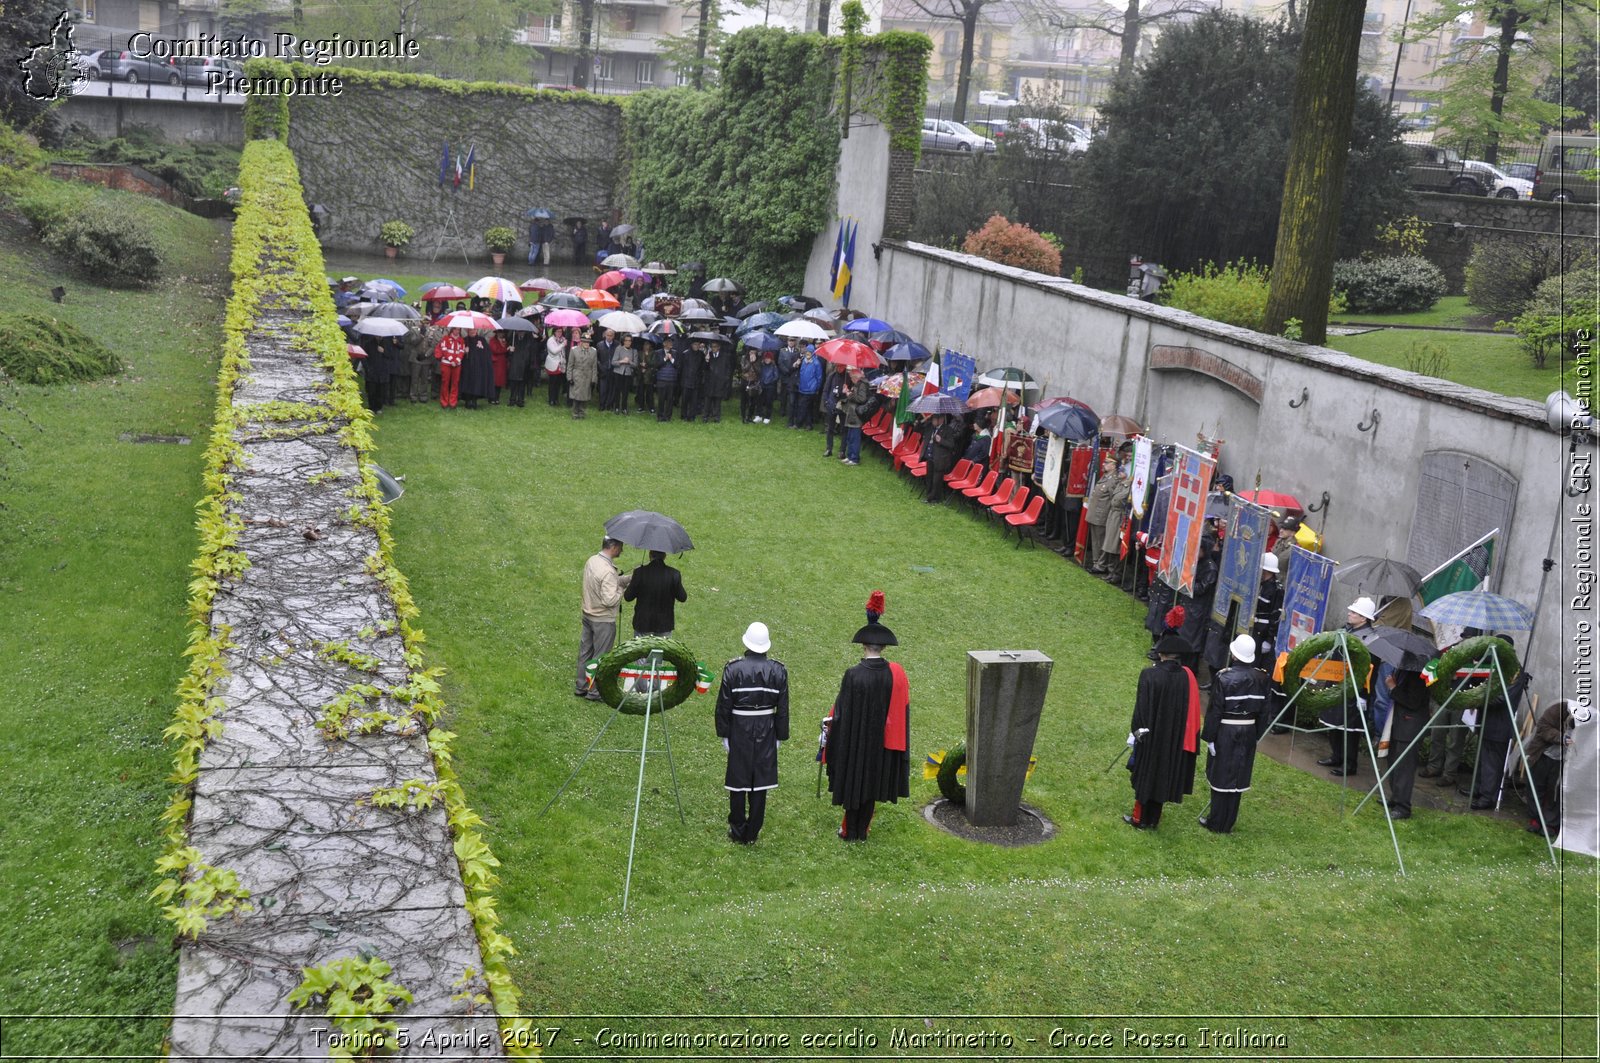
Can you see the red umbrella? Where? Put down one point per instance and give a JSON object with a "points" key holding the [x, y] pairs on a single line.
{"points": [[611, 279], [1065, 400], [842, 351], [989, 398], [1274, 500], [468, 319], [599, 300], [442, 291], [355, 350]]}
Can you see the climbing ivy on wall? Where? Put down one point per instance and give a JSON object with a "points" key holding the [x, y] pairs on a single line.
{"points": [[266, 115]]}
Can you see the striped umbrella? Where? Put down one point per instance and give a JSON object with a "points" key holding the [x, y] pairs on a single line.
{"points": [[1479, 609], [469, 319], [938, 402], [496, 288]]}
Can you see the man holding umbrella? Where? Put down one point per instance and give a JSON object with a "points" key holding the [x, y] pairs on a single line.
{"points": [[941, 456]]}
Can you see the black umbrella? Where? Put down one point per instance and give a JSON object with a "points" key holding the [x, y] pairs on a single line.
{"points": [[649, 531], [893, 336], [697, 315], [1069, 422], [515, 324], [398, 311], [1379, 575], [1406, 650], [565, 300], [722, 284], [692, 267], [751, 308], [800, 302], [710, 337]]}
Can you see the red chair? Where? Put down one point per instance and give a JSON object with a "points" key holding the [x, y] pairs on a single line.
{"points": [[974, 474], [1016, 504], [879, 425], [984, 487], [962, 468], [1028, 518], [907, 451], [1001, 496]]}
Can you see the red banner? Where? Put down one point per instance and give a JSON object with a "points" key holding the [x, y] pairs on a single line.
{"points": [[1185, 520], [1078, 465]]}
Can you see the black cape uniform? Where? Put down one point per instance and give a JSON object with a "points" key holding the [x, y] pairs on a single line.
{"points": [[753, 715], [860, 769], [1162, 769], [655, 589], [1239, 713]]}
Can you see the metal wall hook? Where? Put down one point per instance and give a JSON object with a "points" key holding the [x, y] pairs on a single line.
{"points": [[1366, 427], [1318, 507], [1305, 397]]}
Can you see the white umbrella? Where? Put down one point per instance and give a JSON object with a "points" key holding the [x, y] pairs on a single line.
{"points": [[380, 326], [620, 261], [467, 319], [621, 321], [800, 328]]}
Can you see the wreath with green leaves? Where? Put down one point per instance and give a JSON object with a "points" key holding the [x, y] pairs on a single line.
{"points": [[1316, 698], [609, 682], [1466, 654], [949, 771]]}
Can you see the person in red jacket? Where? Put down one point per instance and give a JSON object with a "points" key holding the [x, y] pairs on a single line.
{"points": [[450, 352], [498, 349]]}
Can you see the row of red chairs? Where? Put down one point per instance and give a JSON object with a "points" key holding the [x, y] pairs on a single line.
{"points": [[1015, 504]]}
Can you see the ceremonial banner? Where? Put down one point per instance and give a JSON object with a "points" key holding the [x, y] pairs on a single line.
{"points": [[1079, 462], [956, 374], [1156, 526], [1191, 477], [1041, 460], [1239, 577], [1054, 452], [1019, 453], [1139, 489], [1305, 597]]}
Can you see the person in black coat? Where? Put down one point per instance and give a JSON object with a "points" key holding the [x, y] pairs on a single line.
{"points": [[1163, 735], [1269, 607], [1409, 715], [1238, 715], [942, 444], [752, 721], [1499, 726], [375, 366], [691, 378], [477, 371], [716, 380], [866, 736], [1197, 604], [519, 365], [666, 365], [654, 588]]}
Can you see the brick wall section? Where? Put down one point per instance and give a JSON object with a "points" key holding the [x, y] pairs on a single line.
{"points": [[123, 176], [901, 201]]}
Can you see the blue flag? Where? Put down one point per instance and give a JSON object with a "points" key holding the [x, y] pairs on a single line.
{"points": [[838, 256], [1305, 597], [1239, 575], [845, 280], [956, 373], [444, 165]]}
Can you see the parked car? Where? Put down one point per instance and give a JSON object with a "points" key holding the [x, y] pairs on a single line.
{"points": [[88, 64], [1497, 182], [1566, 168], [1526, 171], [1437, 169], [196, 71], [997, 99], [996, 129], [1056, 135], [125, 66], [952, 136]]}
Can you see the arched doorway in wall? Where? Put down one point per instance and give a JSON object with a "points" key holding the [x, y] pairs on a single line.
{"points": [[1193, 391]]}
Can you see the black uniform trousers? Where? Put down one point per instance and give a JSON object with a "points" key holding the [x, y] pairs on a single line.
{"points": [[747, 811], [856, 822]]}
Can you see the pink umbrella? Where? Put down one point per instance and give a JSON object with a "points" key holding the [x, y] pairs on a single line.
{"points": [[538, 284], [469, 319], [565, 318], [610, 280]]}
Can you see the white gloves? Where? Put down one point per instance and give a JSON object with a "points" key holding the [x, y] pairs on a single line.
{"points": [[780, 745], [1211, 747], [1131, 738], [725, 745]]}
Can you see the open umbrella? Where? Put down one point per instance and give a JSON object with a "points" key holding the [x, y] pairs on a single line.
{"points": [[989, 398], [1406, 650], [1118, 425], [891, 336], [540, 284], [355, 350], [719, 285], [610, 279], [1278, 500], [799, 302], [845, 351], [1010, 377], [620, 261], [766, 320], [469, 319], [398, 311], [621, 321], [563, 300], [434, 292], [344, 322], [692, 266], [384, 326], [751, 308], [695, 304], [532, 311], [538, 214], [649, 531], [378, 294], [599, 300], [710, 337], [822, 318], [761, 341], [566, 317], [621, 230], [908, 352], [1076, 422], [385, 282], [868, 325], [659, 268], [666, 326], [938, 402], [802, 329], [1380, 575], [514, 324], [1479, 609], [496, 288], [634, 274], [652, 338]]}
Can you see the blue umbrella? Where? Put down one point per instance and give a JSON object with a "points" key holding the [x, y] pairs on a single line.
{"points": [[907, 352], [1069, 422], [538, 214], [1479, 609], [761, 321], [400, 293], [761, 341], [893, 336], [654, 338], [868, 325], [345, 322]]}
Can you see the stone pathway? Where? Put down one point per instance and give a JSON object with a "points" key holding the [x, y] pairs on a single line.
{"points": [[286, 808]]}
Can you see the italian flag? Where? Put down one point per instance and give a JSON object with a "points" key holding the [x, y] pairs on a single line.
{"points": [[902, 406]]}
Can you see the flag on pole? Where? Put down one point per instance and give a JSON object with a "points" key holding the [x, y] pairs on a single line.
{"points": [[930, 385], [841, 283], [838, 256], [457, 183], [1467, 571], [471, 166], [444, 165], [902, 411]]}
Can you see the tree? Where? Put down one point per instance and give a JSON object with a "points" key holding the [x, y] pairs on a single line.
{"points": [[24, 26], [1487, 85], [1183, 181], [1324, 112], [965, 12], [1575, 88], [695, 53], [1126, 24], [475, 42]]}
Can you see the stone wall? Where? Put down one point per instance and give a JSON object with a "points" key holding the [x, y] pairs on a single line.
{"points": [[372, 154], [200, 118], [1456, 224]]}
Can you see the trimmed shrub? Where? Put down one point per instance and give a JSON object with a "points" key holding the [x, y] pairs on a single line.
{"points": [[38, 349], [1013, 244], [1235, 294], [114, 247], [1390, 285], [1503, 274], [1559, 308]]}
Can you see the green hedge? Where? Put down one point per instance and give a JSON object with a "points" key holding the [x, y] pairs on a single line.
{"points": [[266, 115]]}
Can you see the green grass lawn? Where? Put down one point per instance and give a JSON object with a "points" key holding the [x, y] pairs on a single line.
{"points": [[1451, 311], [1491, 361], [1299, 913], [95, 541]]}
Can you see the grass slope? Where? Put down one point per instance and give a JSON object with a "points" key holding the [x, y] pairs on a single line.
{"points": [[1493, 362], [1298, 913], [94, 551]]}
